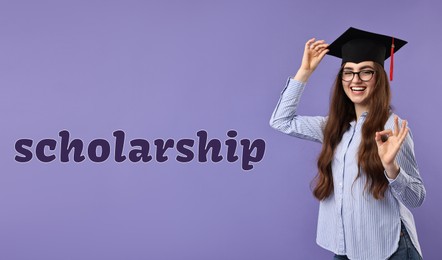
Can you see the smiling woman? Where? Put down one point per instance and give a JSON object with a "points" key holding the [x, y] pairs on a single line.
{"points": [[367, 173]]}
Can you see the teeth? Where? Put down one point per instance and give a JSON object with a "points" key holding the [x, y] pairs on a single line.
{"points": [[357, 89]]}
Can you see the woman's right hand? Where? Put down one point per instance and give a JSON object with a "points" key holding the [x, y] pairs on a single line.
{"points": [[314, 51]]}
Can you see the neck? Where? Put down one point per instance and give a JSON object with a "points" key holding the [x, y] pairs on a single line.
{"points": [[359, 109]]}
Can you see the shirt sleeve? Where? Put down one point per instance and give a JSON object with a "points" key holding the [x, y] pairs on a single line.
{"points": [[285, 119], [408, 186]]}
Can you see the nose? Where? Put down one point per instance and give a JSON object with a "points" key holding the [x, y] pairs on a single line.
{"points": [[356, 78]]}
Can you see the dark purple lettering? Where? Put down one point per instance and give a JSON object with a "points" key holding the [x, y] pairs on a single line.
{"points": [[204, 147], [135, 155], [66, 147], [92, 150], [20, 148], [40, 150], [258, 146], [181, 147]]}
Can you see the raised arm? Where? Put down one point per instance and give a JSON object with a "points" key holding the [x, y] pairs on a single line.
{"points": [[284, 116]]}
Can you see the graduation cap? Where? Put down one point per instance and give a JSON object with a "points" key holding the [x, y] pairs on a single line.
{"points": [[356, 45]]}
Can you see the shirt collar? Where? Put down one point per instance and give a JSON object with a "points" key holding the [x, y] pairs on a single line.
{"points": [[360, 119]]}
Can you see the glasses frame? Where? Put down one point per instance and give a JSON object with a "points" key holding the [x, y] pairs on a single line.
{"points": [[359, 76]]}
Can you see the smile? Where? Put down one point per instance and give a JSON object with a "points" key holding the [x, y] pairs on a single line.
{"points": [[357, 88]]}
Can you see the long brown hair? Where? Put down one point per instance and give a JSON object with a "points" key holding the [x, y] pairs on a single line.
{"points": [[341, 113]]}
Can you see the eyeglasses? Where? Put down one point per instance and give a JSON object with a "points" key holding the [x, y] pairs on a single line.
{"points": [[364, 75]]}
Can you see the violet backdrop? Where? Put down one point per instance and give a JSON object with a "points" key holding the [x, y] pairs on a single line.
{"points": [[167, 69]]}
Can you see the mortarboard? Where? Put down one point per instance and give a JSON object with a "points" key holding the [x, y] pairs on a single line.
{"points": [[356, 45]]}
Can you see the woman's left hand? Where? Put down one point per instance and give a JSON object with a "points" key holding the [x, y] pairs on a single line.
{"points": [[388, 149]]}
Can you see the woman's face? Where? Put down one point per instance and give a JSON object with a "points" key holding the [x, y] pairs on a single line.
{"points": [[359, 87]]}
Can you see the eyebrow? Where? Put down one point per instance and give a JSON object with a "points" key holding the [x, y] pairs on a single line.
{"points": [[363, 67]]}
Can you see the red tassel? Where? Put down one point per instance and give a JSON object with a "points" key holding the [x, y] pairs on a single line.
{"points": [[391, 59]]}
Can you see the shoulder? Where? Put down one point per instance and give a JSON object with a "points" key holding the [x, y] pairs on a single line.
{"points": [[390, 121]]}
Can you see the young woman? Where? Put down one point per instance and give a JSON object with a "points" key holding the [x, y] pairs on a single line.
{"points": [[367, 172]]}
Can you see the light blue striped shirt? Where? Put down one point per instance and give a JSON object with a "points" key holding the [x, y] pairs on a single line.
{"points": [[351, 222]]}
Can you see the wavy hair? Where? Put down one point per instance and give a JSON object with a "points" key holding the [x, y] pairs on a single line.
{"points": [[341, 113]]}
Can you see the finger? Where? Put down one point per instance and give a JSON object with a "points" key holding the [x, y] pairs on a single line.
{"points": [[322, 54], [382, 137], [386, 132], [404, 130], [396, 125], [378, 139], [316, 43], [402, 138], [321, 47], [309, 43]]}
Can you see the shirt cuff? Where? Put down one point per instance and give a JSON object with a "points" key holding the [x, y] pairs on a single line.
{"points": [[399, 182]]}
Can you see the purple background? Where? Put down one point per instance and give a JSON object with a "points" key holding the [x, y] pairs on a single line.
{"points": [[167, 69]]}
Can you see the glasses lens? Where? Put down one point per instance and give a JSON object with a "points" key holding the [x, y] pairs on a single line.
{"points": [[366, 75], [347, 76]]}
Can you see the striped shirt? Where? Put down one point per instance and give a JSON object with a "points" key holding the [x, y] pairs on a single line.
{"points": [[351, 221]]}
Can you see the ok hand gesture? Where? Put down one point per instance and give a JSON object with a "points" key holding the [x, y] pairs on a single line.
{"points": [[389, 142]]}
